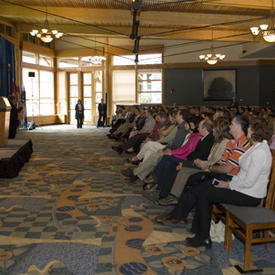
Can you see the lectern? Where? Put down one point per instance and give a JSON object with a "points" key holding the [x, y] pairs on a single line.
{"points": [[5, 108]]}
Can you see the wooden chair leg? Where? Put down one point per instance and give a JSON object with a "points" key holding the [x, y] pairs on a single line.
{"points": [[228, 233], [266, 235], [247, 249]]}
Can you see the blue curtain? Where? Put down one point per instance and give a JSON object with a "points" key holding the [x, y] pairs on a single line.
{"points": [[7, 67]]}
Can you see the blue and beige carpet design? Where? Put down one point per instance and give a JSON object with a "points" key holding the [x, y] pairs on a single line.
{"points": [[70, 212]]}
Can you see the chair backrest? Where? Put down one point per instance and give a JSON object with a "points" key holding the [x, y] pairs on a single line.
{"points": [[270, 199]]}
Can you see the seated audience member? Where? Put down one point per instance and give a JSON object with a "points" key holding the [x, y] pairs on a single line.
{"points": [[163, 134], [221, 112], [120, 113], [221, 136], [224, 170], [115, 117], [155, 129], [152, 145], [164, 123], [127, 125], [177, 138], [198, 145], [195, 111], [137, 126], [134, 142], [247, 188], [234, 103], [139, 123]]}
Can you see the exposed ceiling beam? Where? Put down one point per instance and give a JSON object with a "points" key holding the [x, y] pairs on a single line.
{"points": [[108, 17], [251, 4], [220, 34]]}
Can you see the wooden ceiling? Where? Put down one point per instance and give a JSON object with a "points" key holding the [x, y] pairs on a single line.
{"points": [[226, 20]]}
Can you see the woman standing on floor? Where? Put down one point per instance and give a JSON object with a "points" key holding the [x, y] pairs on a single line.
{"points": [[247, 188], [79, 113]]}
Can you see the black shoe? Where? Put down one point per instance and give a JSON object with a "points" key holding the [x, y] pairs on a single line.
{"points": [[133, 178], [127, 172], [117, 149], [198, 242], [135, 162]]}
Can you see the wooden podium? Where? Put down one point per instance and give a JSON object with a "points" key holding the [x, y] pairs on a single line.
{"points": [[5, 108]]}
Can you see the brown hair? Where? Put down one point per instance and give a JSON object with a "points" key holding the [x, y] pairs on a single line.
{"points": [[261, 129], [222, 129]]}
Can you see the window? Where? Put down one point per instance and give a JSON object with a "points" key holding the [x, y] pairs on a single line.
{"points": [[69, 62], [87, 91], [32, 92], [45, 61], [149, 86], [46, 93], [89, 61], [144, 59], [98, 88], [29, 57], [124, 86], [73, 93], [8, 30], [124, 60], [39, 92], [28, 37], [61, 86]]}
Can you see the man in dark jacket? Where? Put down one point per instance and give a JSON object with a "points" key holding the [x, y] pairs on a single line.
{"points": [[102, 113], [14, 121], [166, 171]]}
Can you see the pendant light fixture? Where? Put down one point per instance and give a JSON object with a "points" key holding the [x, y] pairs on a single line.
{"points": [[45, 34], [266, 31], [97, 59], [212, 58]]}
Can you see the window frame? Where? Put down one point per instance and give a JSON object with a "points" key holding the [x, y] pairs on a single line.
{"points": [[38, 68]]}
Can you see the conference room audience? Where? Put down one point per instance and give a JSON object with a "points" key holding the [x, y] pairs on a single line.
{"points": [[198, 145], [221, 137], [231, 173], [246, 188], [127, 125], [176, 139], [225, 169], [152, 145], [138, 136]]}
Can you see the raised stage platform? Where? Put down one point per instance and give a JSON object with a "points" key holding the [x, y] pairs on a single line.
{"points": [[13, 157]]}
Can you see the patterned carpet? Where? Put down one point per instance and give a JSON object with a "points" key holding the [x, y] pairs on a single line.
{"points": [[71, 212]]}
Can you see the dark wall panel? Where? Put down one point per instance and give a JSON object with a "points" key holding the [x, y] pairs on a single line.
{"points": [[248, 85], [188, 86], [267, 85]]}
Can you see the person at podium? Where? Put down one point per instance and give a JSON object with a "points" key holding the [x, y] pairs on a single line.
{"points": [[14, 120]]}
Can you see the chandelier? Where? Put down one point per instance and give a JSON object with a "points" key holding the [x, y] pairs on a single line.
{"points": [[45, 34], [97, 60], [212, 58], [264, 30]]}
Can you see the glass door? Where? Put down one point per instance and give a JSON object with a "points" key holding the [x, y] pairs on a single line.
{"points": [[73, 95], [98, 90], [87, 95], [92, 94]]}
